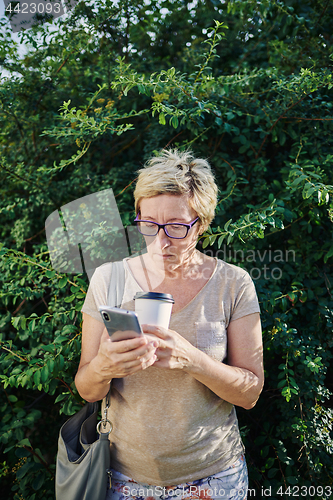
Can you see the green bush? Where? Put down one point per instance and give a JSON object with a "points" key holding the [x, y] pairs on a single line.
{"points": [[247, 85]]}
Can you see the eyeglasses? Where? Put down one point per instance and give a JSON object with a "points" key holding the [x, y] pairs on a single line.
{"points": [[177, 231]]}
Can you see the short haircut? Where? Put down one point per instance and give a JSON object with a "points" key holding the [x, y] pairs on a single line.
{"points": [[175, 172]]}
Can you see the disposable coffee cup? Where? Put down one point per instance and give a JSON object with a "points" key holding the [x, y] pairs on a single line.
{"points": [[154, 308]]}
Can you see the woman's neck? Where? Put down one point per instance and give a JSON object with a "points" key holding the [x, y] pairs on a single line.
{"points": [[174, 271]]}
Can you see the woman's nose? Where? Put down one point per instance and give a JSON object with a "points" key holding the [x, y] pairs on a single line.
{"points": [[163, 238]]}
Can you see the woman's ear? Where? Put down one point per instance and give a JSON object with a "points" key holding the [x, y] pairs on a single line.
{"points": [[202, 229]]}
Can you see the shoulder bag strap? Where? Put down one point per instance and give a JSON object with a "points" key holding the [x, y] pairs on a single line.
{"points": [[117, 284], [115, 297]]}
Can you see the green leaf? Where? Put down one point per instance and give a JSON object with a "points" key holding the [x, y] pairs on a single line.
{"points": [[161, 119], [286, 393], [49, 348], [32, 325], [292, 480], [205, 242], [220, 240], [37, 376], [50, 365], [141, 89], [61, 397], [298, 180], [60, 339], [22, 453], [272, 472], [44, 374], [328, 254], [22, 471], [16, 321], [38, 481], [69, 299], [282, 138], [174, 121], [278, 223], [227, 224], [308, 191], [24, 442], [63, 282], [61, 362]]}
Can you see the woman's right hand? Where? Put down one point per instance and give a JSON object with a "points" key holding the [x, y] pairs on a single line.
{"points": [[102, 360], [124, 357]]}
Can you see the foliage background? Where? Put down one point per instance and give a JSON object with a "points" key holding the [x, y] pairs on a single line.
{"points": [[246, 84]]}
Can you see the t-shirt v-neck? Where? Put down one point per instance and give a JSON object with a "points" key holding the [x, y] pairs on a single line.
{"points": [[183, 309]]}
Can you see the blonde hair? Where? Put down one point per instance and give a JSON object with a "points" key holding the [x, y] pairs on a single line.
{"points": [[175, 172]]}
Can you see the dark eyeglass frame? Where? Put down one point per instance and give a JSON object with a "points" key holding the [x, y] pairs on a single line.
{"points": [[163, 226]]}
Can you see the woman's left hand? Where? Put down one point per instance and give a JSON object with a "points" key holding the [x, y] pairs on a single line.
{"points": [[173, 350]]}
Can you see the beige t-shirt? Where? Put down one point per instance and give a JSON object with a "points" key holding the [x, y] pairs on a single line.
{"points": [[168, 427]]}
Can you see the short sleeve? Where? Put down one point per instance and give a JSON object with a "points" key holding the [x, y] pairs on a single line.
{"points": [[246, 300], [97, 292]]}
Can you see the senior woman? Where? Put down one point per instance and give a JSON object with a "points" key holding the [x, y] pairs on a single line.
{"points": [[175, 431]]}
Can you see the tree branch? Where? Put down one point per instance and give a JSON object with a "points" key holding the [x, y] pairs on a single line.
{"points": [[32, 451]]}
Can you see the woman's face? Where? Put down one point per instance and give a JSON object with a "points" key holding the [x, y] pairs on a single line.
{"points": [[168, 253]]}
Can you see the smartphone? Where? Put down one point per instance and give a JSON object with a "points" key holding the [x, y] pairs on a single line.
{"points": [[120, 323]]}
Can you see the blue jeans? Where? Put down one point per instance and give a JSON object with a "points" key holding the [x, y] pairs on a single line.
{"points": [[231, 483]]}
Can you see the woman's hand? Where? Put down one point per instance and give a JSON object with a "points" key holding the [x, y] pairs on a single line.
{"points": [[173, 350], [240, 381], [125, 357], [102, 359]]}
